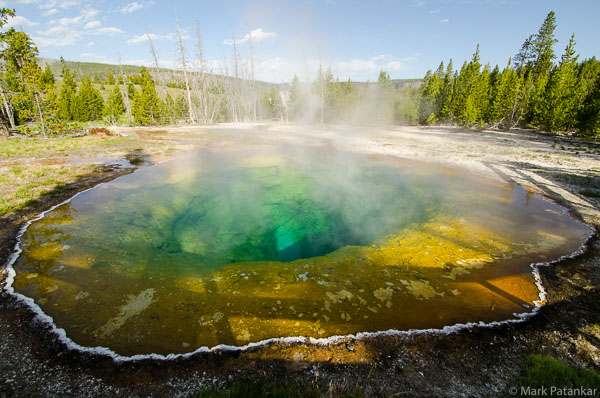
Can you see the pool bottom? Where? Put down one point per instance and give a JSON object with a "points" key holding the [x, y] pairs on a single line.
{"points": [[104, 351], [421, 293]]}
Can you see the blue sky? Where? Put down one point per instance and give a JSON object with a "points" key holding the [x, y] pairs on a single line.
{"points": [[356, 38]]}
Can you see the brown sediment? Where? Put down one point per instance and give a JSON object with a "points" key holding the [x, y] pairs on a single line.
{"points": [[477, 361]]}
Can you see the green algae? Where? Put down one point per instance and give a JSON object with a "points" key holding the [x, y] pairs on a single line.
{"points": [[232, 248]]}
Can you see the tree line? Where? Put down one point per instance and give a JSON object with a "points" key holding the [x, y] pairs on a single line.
{"points": [[532, 90]]}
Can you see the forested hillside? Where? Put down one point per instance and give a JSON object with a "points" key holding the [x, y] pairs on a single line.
{"points": [[534, 89]]}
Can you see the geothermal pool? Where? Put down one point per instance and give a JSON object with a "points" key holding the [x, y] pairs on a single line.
{"points": [[238, 247]]}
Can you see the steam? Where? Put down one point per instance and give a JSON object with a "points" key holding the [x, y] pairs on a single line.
{"points": [[230, 90]]}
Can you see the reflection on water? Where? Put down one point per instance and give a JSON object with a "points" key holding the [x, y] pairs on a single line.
{"points": [[232, 248]]}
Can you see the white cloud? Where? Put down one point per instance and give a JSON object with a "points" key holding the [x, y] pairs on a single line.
{"points": [[51, 11], [256, 35], [27, 1], [90, 44], [69, 4], [132, 7], [140, 39], [58, 41], [276, 69], [445, 20], [58, 3], [68, 22], [109, 31], [143, 37], [434, 11], [19, 21], [69, 31], [418, 4], [89, 13], [372, 65], [92, 24]]}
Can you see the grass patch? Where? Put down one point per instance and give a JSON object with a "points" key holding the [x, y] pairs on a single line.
{"points": [[17, 170], [136, 160], [24, 192], [78, 146], [36, 166], [544, 372], [35, 181], [272, 389]]}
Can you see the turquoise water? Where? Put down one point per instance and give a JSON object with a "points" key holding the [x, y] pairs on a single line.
{"points": [[224, 209]]}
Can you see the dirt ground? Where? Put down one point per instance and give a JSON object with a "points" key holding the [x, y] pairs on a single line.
{"points": [[476, 362]]}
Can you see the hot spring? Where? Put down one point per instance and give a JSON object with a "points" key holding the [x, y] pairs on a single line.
{"points": [[238, 247]]}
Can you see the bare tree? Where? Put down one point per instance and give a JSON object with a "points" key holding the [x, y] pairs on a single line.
{"points": [[185, 77], [158, 73], [252, 85], [202, 78], [7, 108], [123, 93], [322, 90], [234, 93]]}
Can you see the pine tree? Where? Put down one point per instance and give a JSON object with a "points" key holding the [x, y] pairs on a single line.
{"points": [[7, 118], [494, 84], [383, 81], [89, 105], [349, 93], [330, 95], [272, 106], [589, 116], [559, 105], [588, 72], [110, 78], [481, 96], [66, 102], [130, 90], [430, 96], [297, 100], [469, 90], [447, 93], [114, 105], [22, 77], [501, 106], [47, 77], [541, 55], [147, 108], [542, 45]]}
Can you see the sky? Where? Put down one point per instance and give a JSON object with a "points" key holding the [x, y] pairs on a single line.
{"points": [[355, 38]]}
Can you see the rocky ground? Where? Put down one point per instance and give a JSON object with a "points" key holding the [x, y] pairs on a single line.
{"points": [[481, 361]]}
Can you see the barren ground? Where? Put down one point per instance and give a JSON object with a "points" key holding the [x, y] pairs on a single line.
{"points": [[481, 361]]}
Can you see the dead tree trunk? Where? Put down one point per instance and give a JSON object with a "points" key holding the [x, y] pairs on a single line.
{"points": [[202, 77], [322, 91], [252, 86], [123, 92], [235, 82], [185, 77], [7, 109], [158, 73], [39, 108]]}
